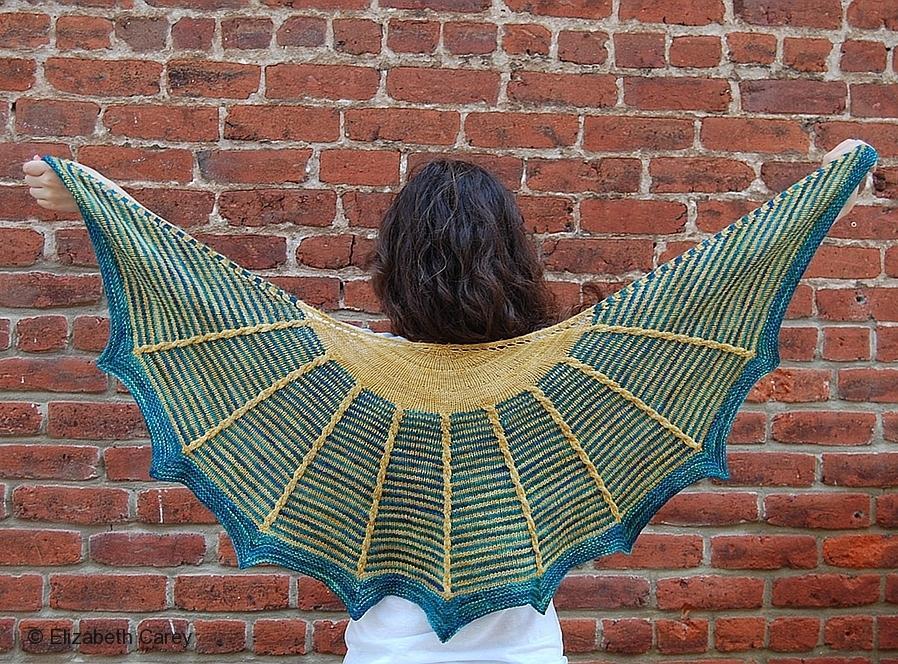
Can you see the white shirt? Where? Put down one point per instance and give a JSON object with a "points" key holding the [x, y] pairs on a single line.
{"points": [[396, 631]]}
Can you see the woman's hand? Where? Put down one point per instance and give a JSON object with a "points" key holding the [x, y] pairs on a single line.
{"points": [[846, 146], [46, 187]]}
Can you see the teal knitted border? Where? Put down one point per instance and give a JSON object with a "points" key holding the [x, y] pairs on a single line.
{"points": [[446, 618]]}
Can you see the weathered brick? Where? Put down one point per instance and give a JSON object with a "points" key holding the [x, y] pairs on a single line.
{"points": [[797, 13], [794, 96], [677, 93]]}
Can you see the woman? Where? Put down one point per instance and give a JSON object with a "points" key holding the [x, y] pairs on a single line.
{"points": [[452, 264]]}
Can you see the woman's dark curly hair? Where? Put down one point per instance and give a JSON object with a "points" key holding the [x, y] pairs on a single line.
{"points": [[452, 262]]}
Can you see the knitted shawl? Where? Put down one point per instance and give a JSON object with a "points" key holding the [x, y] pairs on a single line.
{"points": [[466, 478]]}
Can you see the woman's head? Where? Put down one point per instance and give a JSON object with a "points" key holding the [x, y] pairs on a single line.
{"points": [[452, 262]]}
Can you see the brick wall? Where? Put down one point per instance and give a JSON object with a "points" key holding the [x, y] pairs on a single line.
{"points": [[275, 130]]}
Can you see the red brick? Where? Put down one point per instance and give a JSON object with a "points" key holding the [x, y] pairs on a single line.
{"points": [[219, 636], [126, 549], [20, 247], [466, 6], [823, 428], [36, 635], [16, 74], [328, 636], [886, 344], [164, 635], [639, 49], [879, 134], [36, 461], [677, 12], [314, 595], [254, 252], [292, 81], [325, 251], [106, 636], [254, 166], [632, 216], [21, 593], [679, 637], [177, 505], [708, 509], [142, 33], [585, 47], [83, 420], [793, 13], [752, 47], [244, 592], [592, 9], [262, 207], [627, 636], [207, 78], [526, 130], [357, 35], [119, 78], [754, 135], [869, 384], [42, 333], [367, 167], [412, 36], [71, 504], [699, 174], [860, 551], [24, 30], [650, 551], [591, 591], [598, 256], [863, 56], [737, 634], [578, 635], [19, 418], [710, 592], [825, 590], [168, 122], [874, 100], [47, 117], [806, 55], [279, 636], [307, 31], [525, 39], [590, 90], [876, 470], [695, 51], [771, 469], [275, 123], [139, 163], [39, 548], [577, 175], [764, 551], [56, 374], [243, 32], [317, 4], [793, 96], [794, 634], [322, 292], [408, 125], [849, 632], [37, 290], [873, 14], [87, 32], [469, 38], [615, 133], [182, 207], [546, 214], [441, 85], [108, 592], [677, 93], [193, 33]]}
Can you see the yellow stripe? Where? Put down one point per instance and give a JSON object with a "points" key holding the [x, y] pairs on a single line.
{"points": [[578, 448], [310, 455], [378, 489], [519, 489], [635, 400]]}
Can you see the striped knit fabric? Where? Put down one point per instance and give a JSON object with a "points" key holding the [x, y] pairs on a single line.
{"points": [[464, 478]]}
